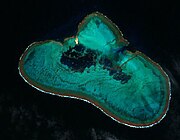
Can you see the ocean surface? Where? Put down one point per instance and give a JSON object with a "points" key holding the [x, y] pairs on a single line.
{"points": [[25, 113]]}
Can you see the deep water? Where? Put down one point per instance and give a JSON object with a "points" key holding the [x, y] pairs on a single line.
{"points": [[28, 114]]}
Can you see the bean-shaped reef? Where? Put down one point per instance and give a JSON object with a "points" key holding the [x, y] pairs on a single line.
{"points": [[94, 65]]}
